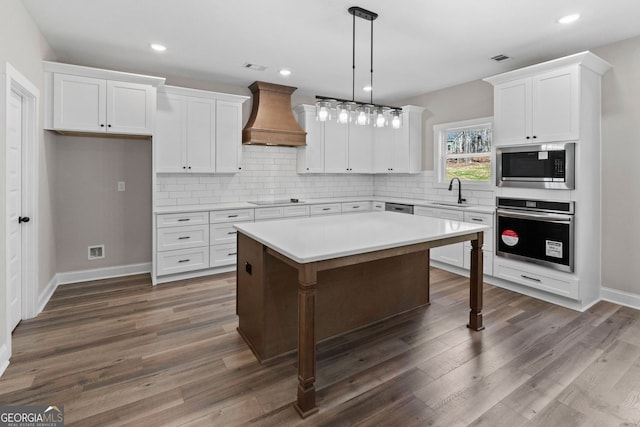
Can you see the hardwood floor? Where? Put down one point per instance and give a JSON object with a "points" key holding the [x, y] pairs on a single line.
{"points": [[121, 352]]}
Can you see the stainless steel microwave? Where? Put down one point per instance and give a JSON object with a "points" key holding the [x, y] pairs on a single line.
{"points": [[550, 166]]}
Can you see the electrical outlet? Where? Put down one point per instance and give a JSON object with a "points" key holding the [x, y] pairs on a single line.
{"points": [[121, 185]]}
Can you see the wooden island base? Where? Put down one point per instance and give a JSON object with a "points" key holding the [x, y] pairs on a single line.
{"points": [[285, 305], [347, 298]]}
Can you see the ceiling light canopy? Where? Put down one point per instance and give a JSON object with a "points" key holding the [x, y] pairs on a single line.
{"points": [[362, 113], [569, 18]]}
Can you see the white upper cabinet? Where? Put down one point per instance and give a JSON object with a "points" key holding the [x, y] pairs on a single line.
{"points": [[541, 103], [198, 132], [400, 150], [82, 99], [337, 148]]}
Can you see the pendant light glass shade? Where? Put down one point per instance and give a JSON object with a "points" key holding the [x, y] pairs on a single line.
{"points": [[380, 118], [323, 111], [345, 110], [396, 119]]}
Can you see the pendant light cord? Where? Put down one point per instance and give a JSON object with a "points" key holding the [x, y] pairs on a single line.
{"points": [[371, 82], [353, 62]]}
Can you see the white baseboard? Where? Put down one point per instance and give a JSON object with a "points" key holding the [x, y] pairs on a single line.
{"points": [[4, 357], [620, 297], [103, 273], [45, 296]]}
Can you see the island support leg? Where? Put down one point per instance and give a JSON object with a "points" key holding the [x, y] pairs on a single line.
{"points": [[307, 279], [475, 282]]}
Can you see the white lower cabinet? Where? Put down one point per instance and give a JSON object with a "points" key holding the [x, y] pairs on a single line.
{"points": [[541, 278], [487, 247], [449, 254], [181, 248], [280, 212], [223, 248]]}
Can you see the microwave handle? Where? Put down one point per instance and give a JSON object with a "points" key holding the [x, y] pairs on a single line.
{"points": [[540, 216]]}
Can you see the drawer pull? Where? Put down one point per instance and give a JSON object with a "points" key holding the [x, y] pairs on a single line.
{"points": [[530, 278], [232, 253], [232, 216], [326, 209], [477, 219], [184, 237], [184, 260], [184, 219], [356, 207], [232, 232]]}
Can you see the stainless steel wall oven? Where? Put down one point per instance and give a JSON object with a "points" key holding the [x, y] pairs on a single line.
{"points": [[536, 166], [537, 231]]}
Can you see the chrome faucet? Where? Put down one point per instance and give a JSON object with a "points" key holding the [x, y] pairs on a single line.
{"points": [[460, 199]]}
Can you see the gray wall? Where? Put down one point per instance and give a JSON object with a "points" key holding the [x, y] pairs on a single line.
{"points": [[462, 102], [620, 166], [22, 45], [89, 209]]}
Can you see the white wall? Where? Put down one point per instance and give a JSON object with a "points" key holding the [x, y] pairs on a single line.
{"points": [[22, 45]]}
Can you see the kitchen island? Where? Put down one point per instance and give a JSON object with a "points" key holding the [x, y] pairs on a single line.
{"points": [[304, 280]]}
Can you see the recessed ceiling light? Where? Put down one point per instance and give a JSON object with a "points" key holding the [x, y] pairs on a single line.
{"points": [[367, 88], [285, 72], [569, 19], [158, 47]]}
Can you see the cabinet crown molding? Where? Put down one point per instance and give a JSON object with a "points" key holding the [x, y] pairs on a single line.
{"points": [[585, 59], [98, 73]]}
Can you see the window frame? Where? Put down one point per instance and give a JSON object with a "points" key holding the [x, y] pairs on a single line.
{"points": [[440, 152]]}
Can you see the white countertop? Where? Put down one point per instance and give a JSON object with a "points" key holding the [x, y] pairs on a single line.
{"points": [[312, 239], [248, 205]]}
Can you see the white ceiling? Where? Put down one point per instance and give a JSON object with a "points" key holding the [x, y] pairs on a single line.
{"points": [[419, 45]]}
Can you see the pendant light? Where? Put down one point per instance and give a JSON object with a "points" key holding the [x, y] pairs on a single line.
{"points": [[361, 113]]}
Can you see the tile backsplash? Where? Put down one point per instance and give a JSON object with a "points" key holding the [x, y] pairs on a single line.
{"points": [[267, 173], [270, 173]]}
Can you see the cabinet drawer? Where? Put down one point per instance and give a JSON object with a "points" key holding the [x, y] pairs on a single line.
{"points": [[293, 211], [332, 208], [182, 237], [235, 215], [182, 260], [223, 255], [479, 218], [355, 207], [450, 214], [190, 218], [222, 233], [377, 206], [537, 278], [268, 213], [422, 211]]}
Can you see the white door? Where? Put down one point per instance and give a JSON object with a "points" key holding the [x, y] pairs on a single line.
{"points": [[228, 136], [79, 103], [201, 137], [14, 208]]}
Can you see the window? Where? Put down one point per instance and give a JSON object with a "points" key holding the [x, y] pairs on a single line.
{"points": [[463, 150]]}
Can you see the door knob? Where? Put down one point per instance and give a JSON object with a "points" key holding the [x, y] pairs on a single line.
{"points": [[22, 219]]}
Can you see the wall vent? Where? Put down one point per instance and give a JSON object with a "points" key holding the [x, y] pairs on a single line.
{"points": [[255, 67], [96, 252], [500, 58]]}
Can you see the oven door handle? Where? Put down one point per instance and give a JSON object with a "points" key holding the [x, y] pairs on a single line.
{"points": [[535, 216]]}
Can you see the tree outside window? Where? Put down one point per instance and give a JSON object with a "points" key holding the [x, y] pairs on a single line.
{"points": [[463, 150]]}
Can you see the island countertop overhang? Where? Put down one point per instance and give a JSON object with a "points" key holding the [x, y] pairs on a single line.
{"points": [[314, 239]]}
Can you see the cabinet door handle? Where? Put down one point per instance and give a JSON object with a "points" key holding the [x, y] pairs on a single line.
{"points": [[528, 137], [232, 216], [530, 278], [108, 126], [101, 125], [184, 237], [232, 232], [184, 260], [183, 219]]}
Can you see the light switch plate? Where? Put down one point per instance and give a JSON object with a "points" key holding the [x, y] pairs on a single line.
{"points": [[121, 185]]}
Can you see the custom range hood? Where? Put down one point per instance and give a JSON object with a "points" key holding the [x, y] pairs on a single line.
{"points": [[272, 121]]}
